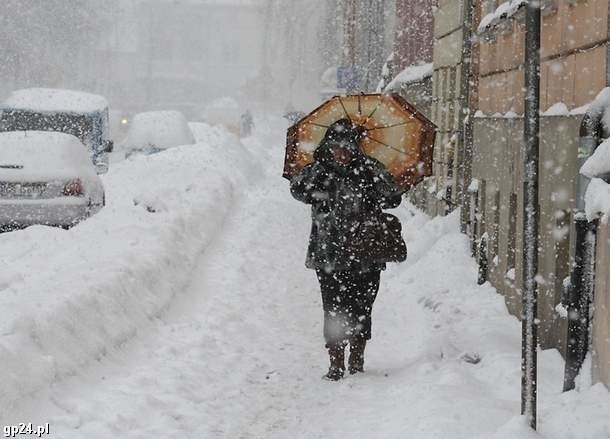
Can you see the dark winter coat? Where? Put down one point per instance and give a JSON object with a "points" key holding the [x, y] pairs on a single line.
{"points": [[343, 198]]}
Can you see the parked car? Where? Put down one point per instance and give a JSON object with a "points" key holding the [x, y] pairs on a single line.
{"points": [[155, 131], [83, 115], [46, 178]]}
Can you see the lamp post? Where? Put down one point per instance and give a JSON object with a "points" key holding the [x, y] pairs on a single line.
{"points": [[531, 134]]}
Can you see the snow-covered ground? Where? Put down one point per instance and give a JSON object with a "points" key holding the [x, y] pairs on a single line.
{"points": [[199, 320]]}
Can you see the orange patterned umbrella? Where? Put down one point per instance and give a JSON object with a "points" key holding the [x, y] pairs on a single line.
{"points": [[397, 135]]}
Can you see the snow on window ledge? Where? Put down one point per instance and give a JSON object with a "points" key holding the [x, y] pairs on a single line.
{"points": [[557, 109], [597, 200]]}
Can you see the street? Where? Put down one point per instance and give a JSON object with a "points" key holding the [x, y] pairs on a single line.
{"points": [[239, 353]]}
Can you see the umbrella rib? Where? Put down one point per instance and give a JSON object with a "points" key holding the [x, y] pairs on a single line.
{"points": [[344, 110], [317, 124], [372, 112], [389, 126], [387, 146]]}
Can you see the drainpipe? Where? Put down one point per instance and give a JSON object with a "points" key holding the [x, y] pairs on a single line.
{"points": [[580, 289], [483, 261], [464, 128]]}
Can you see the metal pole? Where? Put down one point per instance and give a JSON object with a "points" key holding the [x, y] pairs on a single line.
{"points": [[531, 133]]}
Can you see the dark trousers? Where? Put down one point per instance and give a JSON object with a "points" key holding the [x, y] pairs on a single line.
{"points": [[347, 299]]}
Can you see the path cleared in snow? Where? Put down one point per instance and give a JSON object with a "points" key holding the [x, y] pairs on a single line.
{"points": [[239, 354]]}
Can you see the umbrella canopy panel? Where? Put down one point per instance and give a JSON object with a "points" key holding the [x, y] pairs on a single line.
{"points": [[397, 135]]}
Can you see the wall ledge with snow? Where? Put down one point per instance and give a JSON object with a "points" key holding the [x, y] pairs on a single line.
{"points": [[411, 74]]}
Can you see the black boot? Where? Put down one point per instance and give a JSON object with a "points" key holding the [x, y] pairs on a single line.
{"points": [[356, 356], [336, 370]]}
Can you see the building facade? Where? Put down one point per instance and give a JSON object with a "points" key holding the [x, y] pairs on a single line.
{"points": [[413, 34], [477, 105], [573, 71]]}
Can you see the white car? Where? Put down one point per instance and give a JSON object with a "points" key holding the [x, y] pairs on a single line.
{"points": [[155, 131], [46, 178], [81, 114]]}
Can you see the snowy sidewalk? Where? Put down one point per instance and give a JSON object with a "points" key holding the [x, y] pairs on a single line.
{"points": [[239, 353]]}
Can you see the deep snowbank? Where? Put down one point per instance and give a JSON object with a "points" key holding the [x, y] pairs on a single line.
{"points": [[68, 297]]}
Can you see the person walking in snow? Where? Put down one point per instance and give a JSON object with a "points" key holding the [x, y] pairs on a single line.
{"points": [[246, 124], [350, 241]]}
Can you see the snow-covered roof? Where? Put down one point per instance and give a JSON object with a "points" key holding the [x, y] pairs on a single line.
{"points": [[411, 74], [42, 155], [55, 100]]}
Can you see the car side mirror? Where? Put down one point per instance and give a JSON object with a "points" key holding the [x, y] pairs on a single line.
{"points": [[109, 147]]}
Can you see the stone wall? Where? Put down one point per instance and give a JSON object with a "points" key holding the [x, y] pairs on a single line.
{"points": [[497, 165], [573, 69]]}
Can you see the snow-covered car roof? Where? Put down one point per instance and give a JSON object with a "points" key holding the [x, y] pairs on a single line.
{"points": [[158, 129], [55, 100], [43, 155]]}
